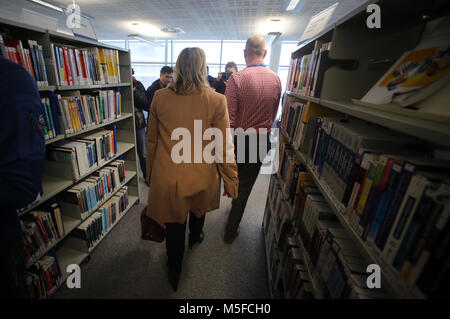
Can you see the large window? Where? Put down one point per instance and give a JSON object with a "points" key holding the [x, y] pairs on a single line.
{"points": [[285, 61], [147, 73], [283, 69], [211, 48], [286, 51], [147, 59], [145, 52], [233, 51]]}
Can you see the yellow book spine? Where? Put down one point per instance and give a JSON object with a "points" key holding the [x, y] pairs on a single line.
{"points": [[72, 116]]}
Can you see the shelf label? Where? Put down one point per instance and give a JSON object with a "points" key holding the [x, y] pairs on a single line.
{"points": [[319, 22]]}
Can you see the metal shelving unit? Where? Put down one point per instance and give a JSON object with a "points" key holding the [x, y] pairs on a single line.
{"points": [[71, 223], [393, 285], [57, 176]]}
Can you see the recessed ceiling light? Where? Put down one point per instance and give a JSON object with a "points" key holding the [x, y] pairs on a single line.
{"points": [[172, 30], [135, 23]]}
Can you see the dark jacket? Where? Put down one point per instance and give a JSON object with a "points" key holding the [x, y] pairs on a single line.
{"points": [[22, 146], [140, 103], [156, 85], [140, 97], [212, 81]]}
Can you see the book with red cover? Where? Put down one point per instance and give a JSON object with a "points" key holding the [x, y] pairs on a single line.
{"points": [[41, 227], [67, 66], [27, 55], [83, 65], [17, 44]]}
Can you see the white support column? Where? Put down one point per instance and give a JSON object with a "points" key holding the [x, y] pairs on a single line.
{"points": [[275, 55]]}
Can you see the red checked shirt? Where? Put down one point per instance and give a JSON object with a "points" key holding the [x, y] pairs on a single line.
{"points": [[253, 96]]}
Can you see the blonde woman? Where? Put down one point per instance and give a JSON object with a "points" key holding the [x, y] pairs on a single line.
{"points": [[181, 182]]}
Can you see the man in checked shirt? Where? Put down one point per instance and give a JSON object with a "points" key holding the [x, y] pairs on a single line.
{"points": [[253, 96]]}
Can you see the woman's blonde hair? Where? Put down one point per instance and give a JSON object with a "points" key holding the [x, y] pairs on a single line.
{"points": [[190, 71]]}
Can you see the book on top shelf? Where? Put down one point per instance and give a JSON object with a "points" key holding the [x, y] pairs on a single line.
{"points": [[85, 66], [28, 54], [409, 80]]}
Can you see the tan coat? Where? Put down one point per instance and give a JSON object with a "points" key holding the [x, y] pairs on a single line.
{"points": [[175, 189]]}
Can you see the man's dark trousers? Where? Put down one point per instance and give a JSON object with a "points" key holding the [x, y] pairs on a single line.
{"points": [[248, 173]]}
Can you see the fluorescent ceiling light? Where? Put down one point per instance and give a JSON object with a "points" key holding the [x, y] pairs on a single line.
{"points": [[58, 8], [137, 37], [292, 4], [48, 5]]}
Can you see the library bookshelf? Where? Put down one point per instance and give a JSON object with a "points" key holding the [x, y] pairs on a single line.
{"points": [[57, 176], [359, 57]]}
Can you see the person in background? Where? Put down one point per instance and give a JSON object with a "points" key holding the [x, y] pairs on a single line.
{"points": [[211, 80], [140, 104], [21, 168], [165, 78], [185, 187], [222, 78], [253, 96]]}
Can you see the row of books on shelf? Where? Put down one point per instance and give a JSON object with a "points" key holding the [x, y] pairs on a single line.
{"points": [[385, 187], [41, 229], [294, 120], [85, 196], [75, 113], [305, 72], [335, 262], [29, 54], [85, 153], [416, 75], [44, 227], [93, 228], [44, 276], [79, 112], [85, 66]]}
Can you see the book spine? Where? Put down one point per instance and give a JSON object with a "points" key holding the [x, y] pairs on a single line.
{"points": [[41, 228], [394, 205], [34, 62], [42, 63], [49, 110], [62, 67], [67, 67], [55, 64]]}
